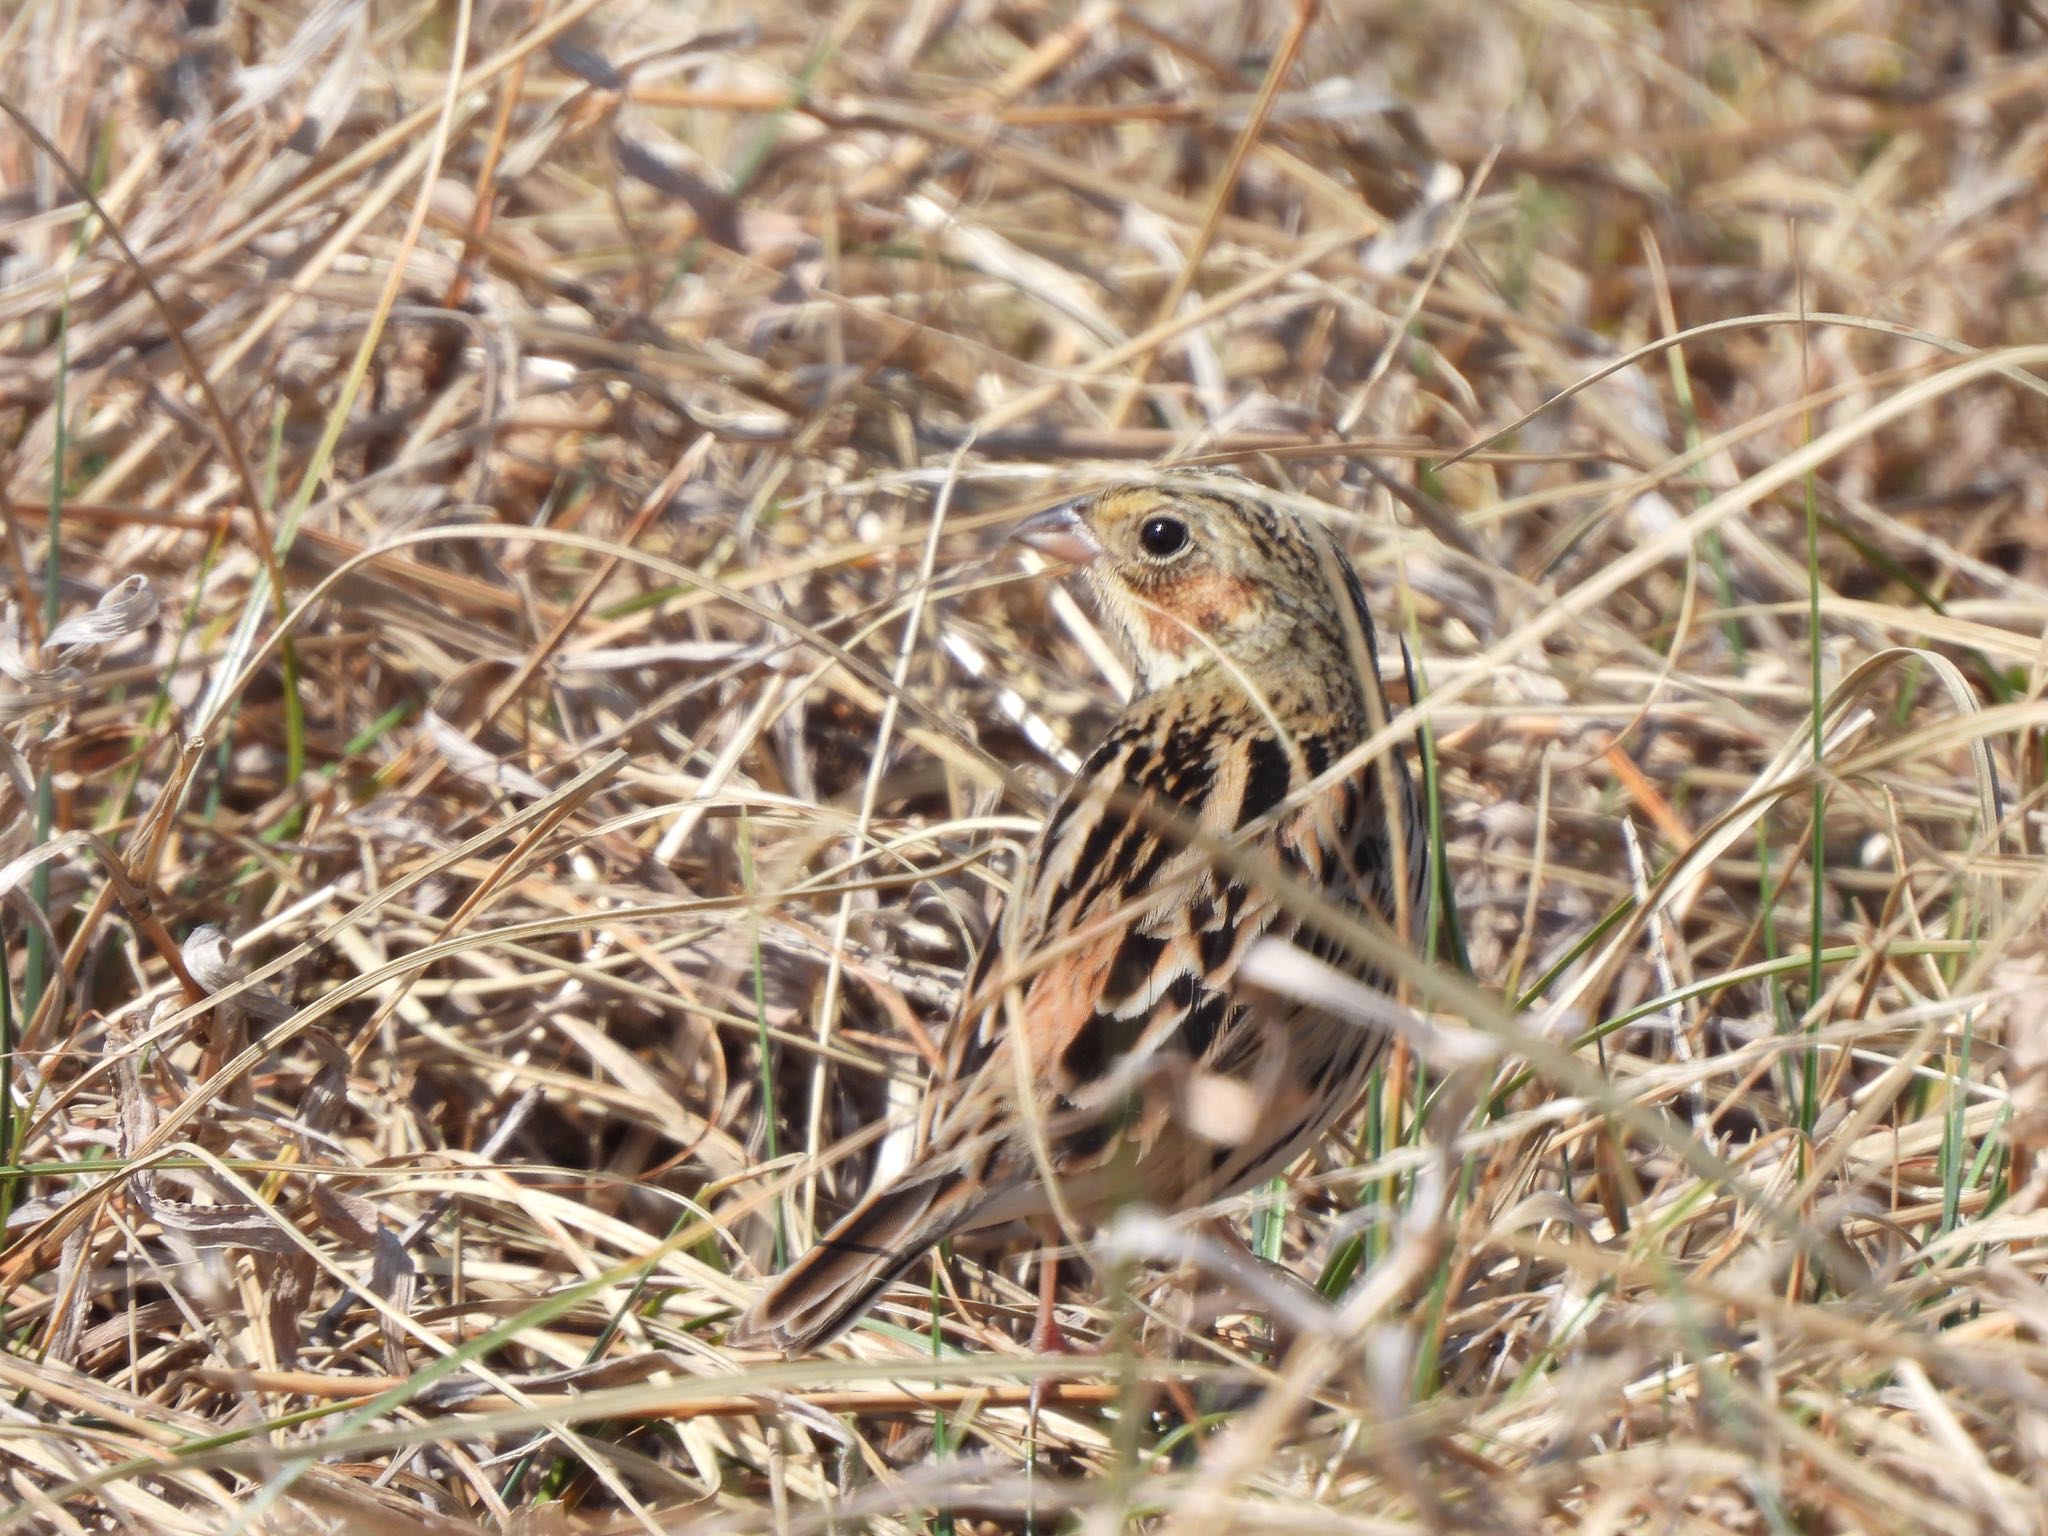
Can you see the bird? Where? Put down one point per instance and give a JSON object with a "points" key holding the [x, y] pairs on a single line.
{"points": [[1104, 1048]]}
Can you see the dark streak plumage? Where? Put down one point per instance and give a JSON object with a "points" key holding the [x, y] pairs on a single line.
{"points": [[1257, 667]]}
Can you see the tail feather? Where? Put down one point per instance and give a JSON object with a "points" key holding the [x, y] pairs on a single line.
{"points": [[831, 1287]]}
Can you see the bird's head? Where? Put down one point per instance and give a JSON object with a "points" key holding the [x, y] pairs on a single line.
{"points": [[1198, 572]]}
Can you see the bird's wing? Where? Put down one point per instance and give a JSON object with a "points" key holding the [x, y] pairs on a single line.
{"points": [[1131, 931]]}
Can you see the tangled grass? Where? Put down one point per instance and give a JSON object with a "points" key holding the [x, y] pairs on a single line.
{"points": [[517, 710]]}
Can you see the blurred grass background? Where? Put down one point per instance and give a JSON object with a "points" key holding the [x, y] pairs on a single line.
{"points": [[516, 711]]}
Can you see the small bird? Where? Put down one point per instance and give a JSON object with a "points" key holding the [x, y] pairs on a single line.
{"points": [[1103, 1039]]}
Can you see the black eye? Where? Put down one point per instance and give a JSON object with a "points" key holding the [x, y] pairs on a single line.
{"points": [[1163, 536]]}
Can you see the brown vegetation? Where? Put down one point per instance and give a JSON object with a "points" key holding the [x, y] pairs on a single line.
{"points": [[530, 711]]}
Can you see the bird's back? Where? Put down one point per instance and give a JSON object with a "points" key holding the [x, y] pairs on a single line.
{"points": [[1146, 1061]]}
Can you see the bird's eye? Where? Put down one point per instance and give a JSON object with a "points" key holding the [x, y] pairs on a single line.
{"points": [[1162, 537]]}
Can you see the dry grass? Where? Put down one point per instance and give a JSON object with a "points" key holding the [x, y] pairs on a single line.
{"points": [[567, 650]]}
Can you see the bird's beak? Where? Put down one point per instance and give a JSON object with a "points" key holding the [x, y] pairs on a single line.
{"points": [[1059, 532]]}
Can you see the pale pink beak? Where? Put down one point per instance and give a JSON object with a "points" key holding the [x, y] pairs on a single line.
{"points": [[1059, 532]]}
